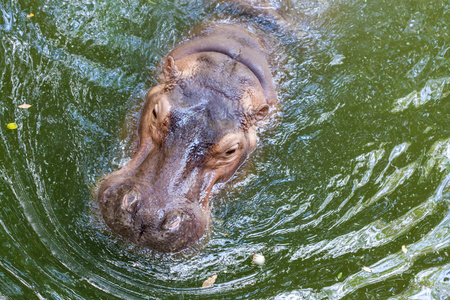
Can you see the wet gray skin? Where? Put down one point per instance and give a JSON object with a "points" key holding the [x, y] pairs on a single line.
{"points": [[195, 130]]}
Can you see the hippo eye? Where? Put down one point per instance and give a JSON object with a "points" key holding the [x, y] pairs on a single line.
{"points": [[231, 150], [228, 150], [155, 111]]}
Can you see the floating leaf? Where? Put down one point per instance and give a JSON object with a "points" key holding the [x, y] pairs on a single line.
{"points": [[30, 15], [404, 249], [11, 126], [340, 275], [258, 259], [368, 270], [210, 281], [25, 106]]}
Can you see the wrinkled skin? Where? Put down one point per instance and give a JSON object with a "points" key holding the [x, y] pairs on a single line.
{"points": [[195, 130]]}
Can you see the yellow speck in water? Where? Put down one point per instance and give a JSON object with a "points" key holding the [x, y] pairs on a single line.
{"points": [[404, 249], [30, 15], [11, 126]]}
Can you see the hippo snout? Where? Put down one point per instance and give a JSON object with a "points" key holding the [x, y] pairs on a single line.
{"points": [[141, 215]]}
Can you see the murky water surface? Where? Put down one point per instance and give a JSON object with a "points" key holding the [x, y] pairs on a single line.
{"points": [[354, 165]]}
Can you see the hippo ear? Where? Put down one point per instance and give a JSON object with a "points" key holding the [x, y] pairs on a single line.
{"points": [[261, 112], [171, 72]]}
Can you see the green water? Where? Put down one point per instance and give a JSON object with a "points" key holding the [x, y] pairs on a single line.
{"points": [[353, 166]]}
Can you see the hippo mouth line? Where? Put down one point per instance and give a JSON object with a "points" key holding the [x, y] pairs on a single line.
{"points": [[142, 230]]}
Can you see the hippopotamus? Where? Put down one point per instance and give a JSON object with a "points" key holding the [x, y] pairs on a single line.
{"points": [[195, 129]]}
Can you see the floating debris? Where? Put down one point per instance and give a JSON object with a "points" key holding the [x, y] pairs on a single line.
{"points": [[210, 281], [25, 106], [258, 259], [404, 249], [368, 270], [30, 15], [11, 126], [339, 275]]}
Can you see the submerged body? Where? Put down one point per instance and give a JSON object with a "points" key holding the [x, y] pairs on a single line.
{"points": [[195, 130]]}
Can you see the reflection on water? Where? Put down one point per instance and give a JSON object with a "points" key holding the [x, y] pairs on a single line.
{"points": [[347, 196]]}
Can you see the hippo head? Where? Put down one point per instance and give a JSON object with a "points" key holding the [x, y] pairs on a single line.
{"points": [[195, 130]]}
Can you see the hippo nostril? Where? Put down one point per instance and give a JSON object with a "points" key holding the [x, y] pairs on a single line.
{"points": [[130, 201], [172, 220]]}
